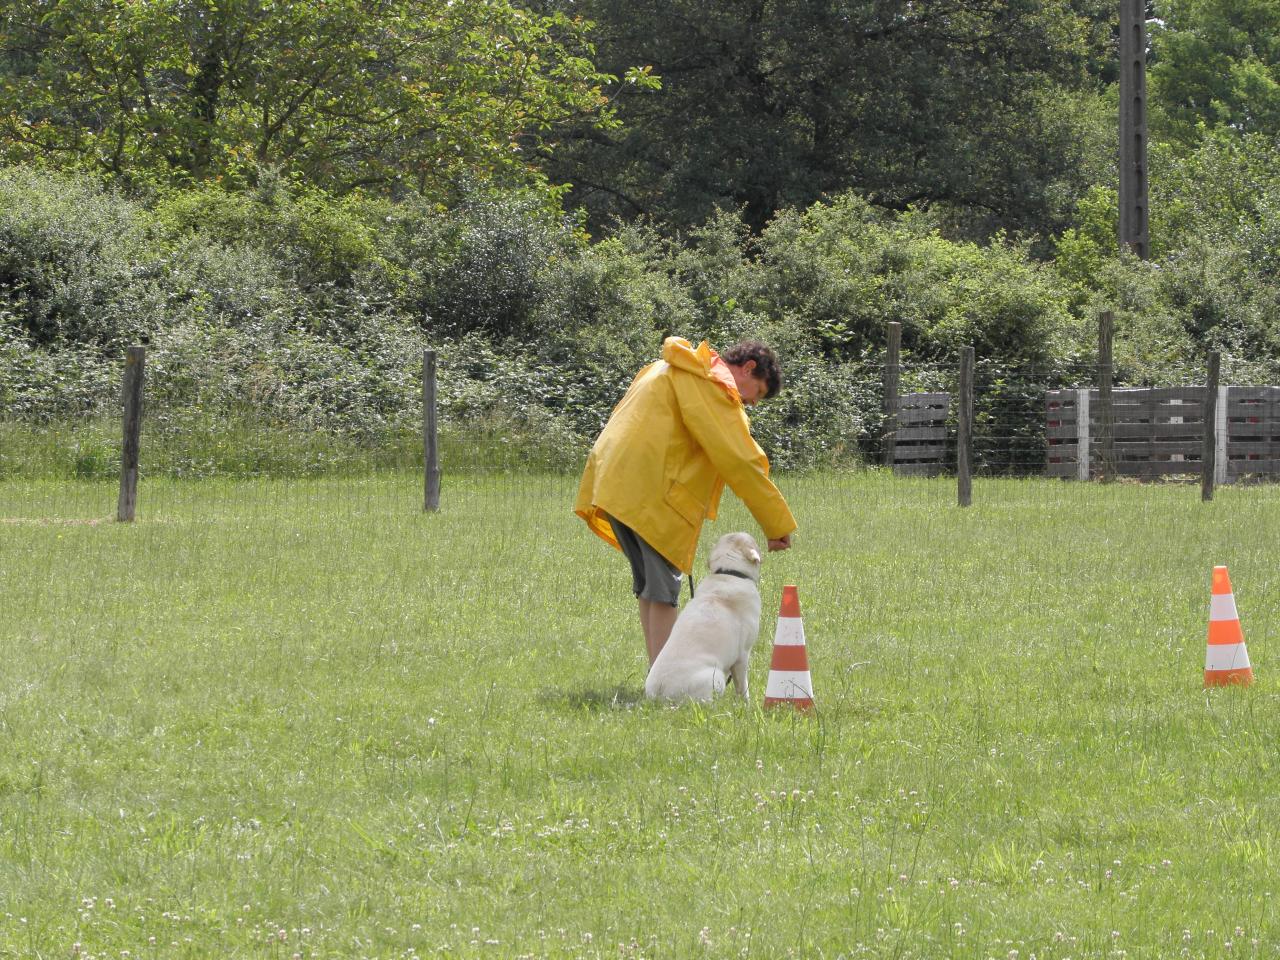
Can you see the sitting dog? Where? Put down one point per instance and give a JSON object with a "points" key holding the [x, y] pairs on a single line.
{"points": [[715, 632]]}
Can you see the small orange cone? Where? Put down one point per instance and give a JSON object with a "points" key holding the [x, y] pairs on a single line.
{"points": [[789, 680], [1226, 661]]}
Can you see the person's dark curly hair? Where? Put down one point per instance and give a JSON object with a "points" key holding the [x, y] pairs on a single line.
{"points": [[767, 366]]}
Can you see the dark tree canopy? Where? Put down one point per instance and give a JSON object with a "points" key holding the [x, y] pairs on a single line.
{"points": [[771, 103]]}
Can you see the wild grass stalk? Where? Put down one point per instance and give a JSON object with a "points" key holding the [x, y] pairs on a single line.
{"points": [[305, 718]]}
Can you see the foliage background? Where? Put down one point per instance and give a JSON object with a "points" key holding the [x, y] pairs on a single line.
{"points": [[276, 285]]}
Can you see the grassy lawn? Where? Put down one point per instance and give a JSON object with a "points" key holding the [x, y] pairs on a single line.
{"points": [[303, 718]]}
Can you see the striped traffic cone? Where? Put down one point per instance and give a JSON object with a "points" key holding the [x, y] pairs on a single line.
{"points": [[1226, 661], [789, 680]]}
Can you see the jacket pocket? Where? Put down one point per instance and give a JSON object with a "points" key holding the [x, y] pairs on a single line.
{"points": [[683, 502]]}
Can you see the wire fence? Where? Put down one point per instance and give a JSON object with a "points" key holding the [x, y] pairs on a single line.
{"points": [[1070, 421], [1066, 420], [1010, 436]]}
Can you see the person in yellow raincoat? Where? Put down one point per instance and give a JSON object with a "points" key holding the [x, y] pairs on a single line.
{"points": [[656, 472]]}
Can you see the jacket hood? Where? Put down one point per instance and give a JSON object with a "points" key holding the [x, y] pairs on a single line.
{"points": [[701, 361]]}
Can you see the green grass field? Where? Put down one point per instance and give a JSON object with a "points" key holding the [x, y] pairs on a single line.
{"points": [[305, 719]]}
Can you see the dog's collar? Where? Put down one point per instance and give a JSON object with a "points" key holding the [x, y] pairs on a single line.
{"points": [[733, 573]]}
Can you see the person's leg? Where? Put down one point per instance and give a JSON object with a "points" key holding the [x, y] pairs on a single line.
{"points": [[644, 627], [656, 584], [657, 620]]}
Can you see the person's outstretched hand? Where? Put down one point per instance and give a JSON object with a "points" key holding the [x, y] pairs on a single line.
{"points": [[782, 543]]}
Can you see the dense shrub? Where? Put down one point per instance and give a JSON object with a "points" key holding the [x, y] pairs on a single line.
{"points": [[316, 242], [826, 416], [614, 302], [76, 267], [484, 266], [846, 270], [39, 384], [308, 317]]}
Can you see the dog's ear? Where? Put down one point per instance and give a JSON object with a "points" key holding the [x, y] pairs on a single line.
{"points": [[754, 556]]}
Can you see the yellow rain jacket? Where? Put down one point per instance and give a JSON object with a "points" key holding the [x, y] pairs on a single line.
{"points": [[677, 436]]}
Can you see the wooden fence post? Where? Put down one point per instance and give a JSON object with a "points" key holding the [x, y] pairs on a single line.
{"points": [[892, 374], [964, 431], [131, 400], [1209, 456], [1106, 413], [429, 439]]}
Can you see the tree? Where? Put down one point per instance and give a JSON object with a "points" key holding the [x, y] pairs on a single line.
{"points": [[774, 103], [1217, 63], [376, 94]]}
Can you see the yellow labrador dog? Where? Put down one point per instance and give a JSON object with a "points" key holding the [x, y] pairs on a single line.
{"points": [[715, 632]]}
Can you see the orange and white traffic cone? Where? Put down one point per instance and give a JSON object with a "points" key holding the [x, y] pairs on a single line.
{"points": [[789, 680], [1226, 661]]}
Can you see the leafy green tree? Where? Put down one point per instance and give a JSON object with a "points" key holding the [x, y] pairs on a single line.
{"points": [[390, 95], [1215, 63], [769, 104], [1215, 253]]}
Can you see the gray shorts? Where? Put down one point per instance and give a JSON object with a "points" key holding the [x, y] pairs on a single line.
{"points": [[653, 576]]}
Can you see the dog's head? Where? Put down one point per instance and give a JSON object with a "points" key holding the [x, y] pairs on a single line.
{"points": [[737, 552]]}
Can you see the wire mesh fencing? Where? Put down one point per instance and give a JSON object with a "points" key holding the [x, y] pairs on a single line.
{"points": [[1069, 421], [1066, 420]]}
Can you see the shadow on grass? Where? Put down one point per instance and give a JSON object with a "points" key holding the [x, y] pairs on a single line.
{"points": [[604, 698]]}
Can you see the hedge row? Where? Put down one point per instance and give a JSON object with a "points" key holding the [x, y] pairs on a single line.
{"points": [[287, 309]]}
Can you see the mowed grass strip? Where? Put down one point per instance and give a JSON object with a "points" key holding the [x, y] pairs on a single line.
{"points": [[274, 719]]}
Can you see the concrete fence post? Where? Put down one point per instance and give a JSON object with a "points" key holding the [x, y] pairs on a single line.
{"points": [[1082, 434], [1220, 430]]}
